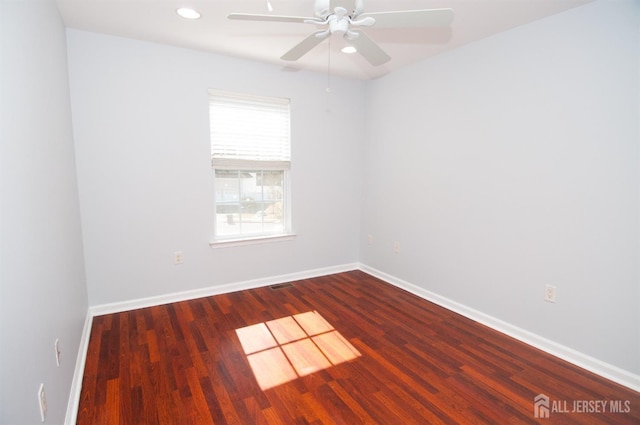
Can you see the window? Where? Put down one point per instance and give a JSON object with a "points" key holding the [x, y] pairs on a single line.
{"points": [[250, 156]]}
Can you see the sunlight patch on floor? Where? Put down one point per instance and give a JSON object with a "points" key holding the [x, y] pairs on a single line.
{"points": [[284, 349]]}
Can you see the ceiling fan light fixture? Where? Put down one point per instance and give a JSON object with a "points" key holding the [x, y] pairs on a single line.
{"points": [[188, 13], [349, 50]]}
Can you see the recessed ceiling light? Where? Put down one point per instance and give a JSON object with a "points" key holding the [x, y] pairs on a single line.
{"points": [[188, 13], [348, 49]]}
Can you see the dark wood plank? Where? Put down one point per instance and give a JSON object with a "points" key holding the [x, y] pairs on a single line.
{"points": [[419, 363]]}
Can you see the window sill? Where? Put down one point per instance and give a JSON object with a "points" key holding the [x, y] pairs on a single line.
{"points": [[225, 243]]}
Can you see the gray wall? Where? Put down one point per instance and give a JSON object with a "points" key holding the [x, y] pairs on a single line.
{"points": [[143, 156], [42, 286], [512, 163]]}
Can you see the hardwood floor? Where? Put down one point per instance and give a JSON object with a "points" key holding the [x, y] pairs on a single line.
{"points": [[340, 349]]}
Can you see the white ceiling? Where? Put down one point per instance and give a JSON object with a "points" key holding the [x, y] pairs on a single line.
{"points": [[157, 21]]}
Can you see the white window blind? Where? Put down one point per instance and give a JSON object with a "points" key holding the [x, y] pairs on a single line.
{"points": [[249, 132]]}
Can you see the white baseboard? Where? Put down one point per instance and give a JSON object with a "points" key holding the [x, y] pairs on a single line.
{"points": [[78, 373], [606, 370], [98, 310]]}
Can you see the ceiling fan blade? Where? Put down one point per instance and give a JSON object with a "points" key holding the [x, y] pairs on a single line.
{"points": [[426, 18], [270, 18], [302, 48], [370, 50]]}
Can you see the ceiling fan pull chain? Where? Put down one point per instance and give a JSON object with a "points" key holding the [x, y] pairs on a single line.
{"points": [[328, 89]]}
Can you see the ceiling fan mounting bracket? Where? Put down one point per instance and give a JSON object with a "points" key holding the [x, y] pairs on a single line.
{"points": [[322, 8]]}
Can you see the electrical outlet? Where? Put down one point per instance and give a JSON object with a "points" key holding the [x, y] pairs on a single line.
{"points": [[42, 401], [177, 257], [56, 347], [370, 239], [550, 293], [396, 247]]}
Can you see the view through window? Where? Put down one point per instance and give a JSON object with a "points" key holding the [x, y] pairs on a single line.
{"points": [[249, 202]]}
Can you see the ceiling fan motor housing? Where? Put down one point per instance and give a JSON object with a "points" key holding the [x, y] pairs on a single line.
{"points": [[338, 24]]}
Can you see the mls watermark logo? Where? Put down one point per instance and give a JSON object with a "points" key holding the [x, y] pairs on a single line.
{"points": [[541, 406]]}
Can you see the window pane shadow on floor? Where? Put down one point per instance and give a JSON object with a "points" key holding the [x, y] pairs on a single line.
{"points": [[285, 349]]}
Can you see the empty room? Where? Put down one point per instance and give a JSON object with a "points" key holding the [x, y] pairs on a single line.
{"points": [[320, 212]]}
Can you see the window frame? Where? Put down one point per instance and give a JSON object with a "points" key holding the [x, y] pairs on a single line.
{"points": [[242, 165]]}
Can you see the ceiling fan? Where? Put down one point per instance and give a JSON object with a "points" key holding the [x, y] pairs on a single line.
{"points": [[346, 17]]}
